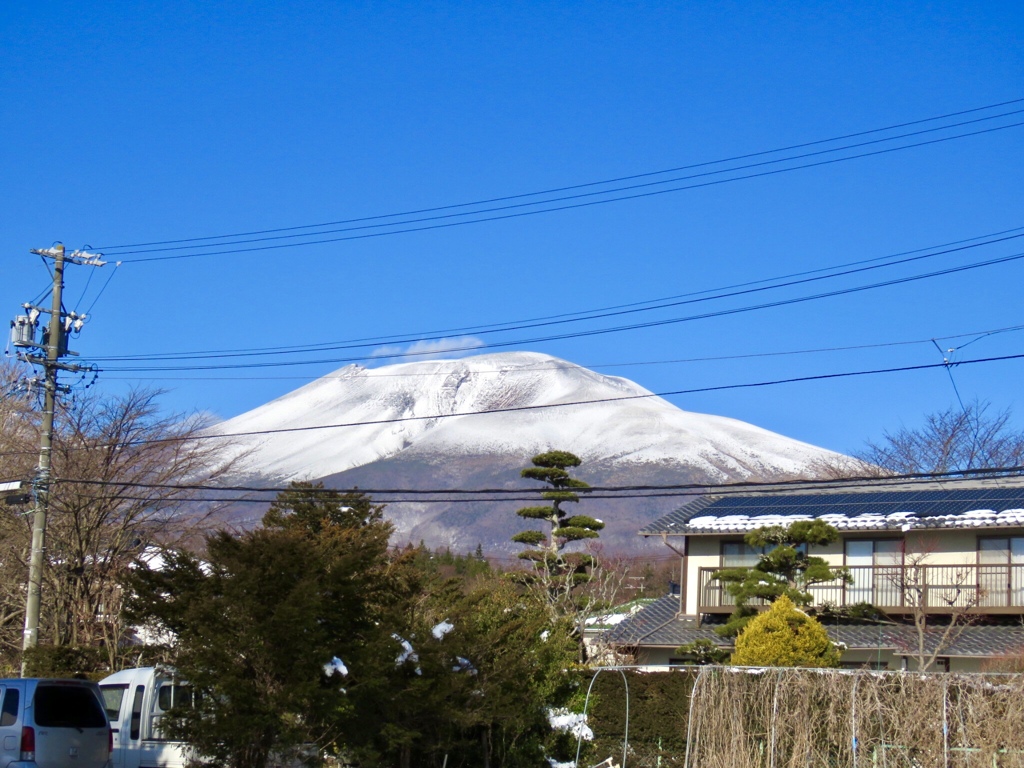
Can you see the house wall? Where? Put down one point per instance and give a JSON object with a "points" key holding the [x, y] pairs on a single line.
{"points": [[938, 547], [704, 552], [956, 547]]}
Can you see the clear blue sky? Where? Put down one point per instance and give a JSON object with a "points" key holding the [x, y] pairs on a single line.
{"points": [[139, 122]]}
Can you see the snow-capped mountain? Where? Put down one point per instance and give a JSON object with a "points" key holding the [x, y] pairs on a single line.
{"points": [[476, 421]]}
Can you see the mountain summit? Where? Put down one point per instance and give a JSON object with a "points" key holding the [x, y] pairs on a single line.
{"points": [[474, 422]]}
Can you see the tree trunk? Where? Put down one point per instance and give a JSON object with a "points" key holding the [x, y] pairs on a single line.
{"points": [[485, 744]]}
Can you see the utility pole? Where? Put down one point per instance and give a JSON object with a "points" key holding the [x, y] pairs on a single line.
{"points": [[47, 353]]}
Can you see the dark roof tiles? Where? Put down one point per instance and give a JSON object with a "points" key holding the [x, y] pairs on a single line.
{"points": [[660, 625]]}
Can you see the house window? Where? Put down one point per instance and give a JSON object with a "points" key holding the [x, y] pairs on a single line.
{"points": [[739, 554], [874, 552], [1002, 550], [875, 566], [1001, 571]]}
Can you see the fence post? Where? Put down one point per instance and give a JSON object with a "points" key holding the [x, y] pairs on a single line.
{"points": [[689, 719], [775, 718], [945, 721], [853, 718]]}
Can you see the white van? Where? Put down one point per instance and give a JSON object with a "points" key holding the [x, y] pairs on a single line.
{"points": [[136, 701], [52, 724]]}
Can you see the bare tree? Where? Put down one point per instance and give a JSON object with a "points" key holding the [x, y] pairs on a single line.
{"points": [[957, 439], [929, 591], [952, 440], [115, 462], [608, 578], [19, 439]]}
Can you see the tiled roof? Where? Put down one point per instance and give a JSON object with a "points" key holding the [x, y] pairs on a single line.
{"points": [[982, 505], [659, 625]]}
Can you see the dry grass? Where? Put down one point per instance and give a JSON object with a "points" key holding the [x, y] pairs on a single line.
{"points": [[786, 718]]}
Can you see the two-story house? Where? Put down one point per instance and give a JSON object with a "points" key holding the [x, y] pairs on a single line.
{"points": [[925, 554]]}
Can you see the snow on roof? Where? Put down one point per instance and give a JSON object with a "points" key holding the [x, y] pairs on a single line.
{"points": [[975, 518], [974, 503]]}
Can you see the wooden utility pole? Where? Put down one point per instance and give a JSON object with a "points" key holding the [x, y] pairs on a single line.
{"points": [[52, 349], [47, 354]]}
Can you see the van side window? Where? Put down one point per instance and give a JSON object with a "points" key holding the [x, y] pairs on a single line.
{"points": [[9, 714], [136, 724], [113, 695], [173, 695]]}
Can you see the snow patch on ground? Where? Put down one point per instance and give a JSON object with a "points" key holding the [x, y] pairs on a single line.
{"points": [[442, 629], [561, 719]]}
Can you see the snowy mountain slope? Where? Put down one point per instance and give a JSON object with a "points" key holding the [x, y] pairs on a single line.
{"points": [[642, 430]]}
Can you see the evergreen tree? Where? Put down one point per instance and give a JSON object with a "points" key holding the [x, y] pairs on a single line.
{"points": [[784, 636], [487, 665], [559, 572], [311, 508], [785, 570], [256, 623]]}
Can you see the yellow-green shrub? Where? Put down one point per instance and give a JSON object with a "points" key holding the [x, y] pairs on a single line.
{"points": [[783, 636]]}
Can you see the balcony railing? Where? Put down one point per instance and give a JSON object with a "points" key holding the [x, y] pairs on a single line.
{"points": [[898, 588]]}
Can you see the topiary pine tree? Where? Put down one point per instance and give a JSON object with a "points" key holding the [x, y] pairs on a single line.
{"points": [[559, 572], [786, 569], [784, 636]]}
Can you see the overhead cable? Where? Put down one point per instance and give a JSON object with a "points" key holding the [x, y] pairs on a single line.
{"points": [[583, 314], [577, 186], [606, 493], [595, 401], [521, 213], [591, 332]]}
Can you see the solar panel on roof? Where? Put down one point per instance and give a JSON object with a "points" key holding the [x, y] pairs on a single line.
{"points": [[922, 503]]}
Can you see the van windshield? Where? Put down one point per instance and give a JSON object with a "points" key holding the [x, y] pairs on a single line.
{"points": [[67, 706]]}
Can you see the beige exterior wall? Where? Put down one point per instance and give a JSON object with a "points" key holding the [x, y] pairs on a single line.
{"points": [[832, 553], [936, 547], [957, 547], [704, 552]]}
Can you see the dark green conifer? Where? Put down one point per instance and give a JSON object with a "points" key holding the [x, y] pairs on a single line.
{"points": [[785, 569]]}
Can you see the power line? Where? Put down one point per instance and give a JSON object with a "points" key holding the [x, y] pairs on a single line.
{"points": [[597, 331], [578, 196], [548, 406], [556, 190], [866, 265], [596, 401], [511, 325], [457, 495], [554, 209], [601, 366]]}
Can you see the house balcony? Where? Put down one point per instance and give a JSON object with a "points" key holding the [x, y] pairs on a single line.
{"points": [[896, 589]]}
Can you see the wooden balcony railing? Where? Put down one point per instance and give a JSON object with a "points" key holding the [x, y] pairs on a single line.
{"points": [[898, 588]]}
